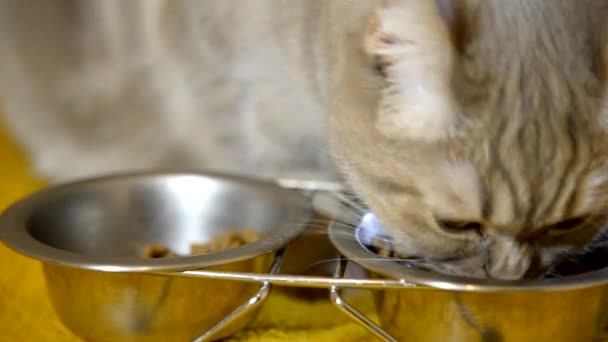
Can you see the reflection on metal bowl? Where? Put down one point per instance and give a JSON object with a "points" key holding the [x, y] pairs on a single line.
{"points": [[443, 308], [89, 236]]}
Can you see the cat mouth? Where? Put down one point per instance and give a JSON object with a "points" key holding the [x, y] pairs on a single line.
{"points": [[369, 233]]}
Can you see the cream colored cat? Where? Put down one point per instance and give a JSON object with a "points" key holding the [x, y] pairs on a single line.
{"points": [[475, 129]]}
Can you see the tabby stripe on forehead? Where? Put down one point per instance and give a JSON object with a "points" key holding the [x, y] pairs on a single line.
{"points": [[578, 176], [544, 155], [495, 147], [558, 190], [528, 142], [492, 172], [503, 172], [570, 204], [549, 158], [486, 200], [534, 155], [524, 105], [567, 170]]}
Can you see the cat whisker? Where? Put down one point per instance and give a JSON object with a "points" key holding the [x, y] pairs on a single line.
{"points": [[418, 262], [350, 202], [325, 223], [329, 205], [317, 263], [551, 272]]}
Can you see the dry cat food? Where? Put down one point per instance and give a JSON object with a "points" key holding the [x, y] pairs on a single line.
{"points": [[157, 251], [383, 249], [226, 241], [232, 239]]}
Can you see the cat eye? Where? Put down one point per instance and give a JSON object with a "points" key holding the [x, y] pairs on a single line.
{"points": [[460, 226], [566, 226]]}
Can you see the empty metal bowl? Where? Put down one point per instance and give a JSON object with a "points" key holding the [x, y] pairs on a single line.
{"points": [[444, 308], [90, 236]]}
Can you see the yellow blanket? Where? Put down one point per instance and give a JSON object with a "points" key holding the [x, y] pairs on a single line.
{"points": [[26, 313]]}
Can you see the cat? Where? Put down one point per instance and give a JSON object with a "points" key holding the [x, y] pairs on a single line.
{"points": [[111, 86], [474, 129]]}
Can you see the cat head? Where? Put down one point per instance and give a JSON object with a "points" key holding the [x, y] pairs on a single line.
{"points": [[476, 130]]}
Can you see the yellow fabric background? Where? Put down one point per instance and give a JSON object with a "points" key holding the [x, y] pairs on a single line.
{"points": [[26, 313]]}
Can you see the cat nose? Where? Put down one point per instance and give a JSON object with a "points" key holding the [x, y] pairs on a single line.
{"points": [[509, 259]]}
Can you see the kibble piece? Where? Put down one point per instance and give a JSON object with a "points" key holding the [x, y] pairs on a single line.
{"points": [[232, 239], [157, 251]]}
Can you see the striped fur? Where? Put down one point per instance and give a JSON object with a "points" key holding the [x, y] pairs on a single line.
{"points": [[484, 111], [527, 85]]}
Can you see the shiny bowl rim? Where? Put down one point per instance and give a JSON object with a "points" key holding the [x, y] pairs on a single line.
{"points": [[14, 233], [344, 239]]}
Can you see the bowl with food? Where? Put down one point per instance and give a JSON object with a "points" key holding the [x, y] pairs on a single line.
{"points": [[425, 305], [106, 246]]}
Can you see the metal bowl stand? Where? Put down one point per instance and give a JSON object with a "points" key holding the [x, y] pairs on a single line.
{"points": [[267, 280]]}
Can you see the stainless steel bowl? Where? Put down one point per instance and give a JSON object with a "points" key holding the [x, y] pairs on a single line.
{"points": [[444, 308], [90, 235]]}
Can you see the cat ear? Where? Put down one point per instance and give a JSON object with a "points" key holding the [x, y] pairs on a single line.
{"points": [[410, 41]]}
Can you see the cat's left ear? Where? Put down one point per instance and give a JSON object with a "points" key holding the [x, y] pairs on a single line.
{"points": [[411, 42]]}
